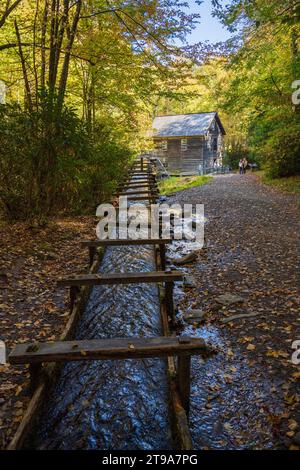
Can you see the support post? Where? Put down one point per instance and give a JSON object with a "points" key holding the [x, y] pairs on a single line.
{"points": [[74, 291], [142, 163], [169, 300], [184, 380], [163, 256], [92, 253], [34, 372]]}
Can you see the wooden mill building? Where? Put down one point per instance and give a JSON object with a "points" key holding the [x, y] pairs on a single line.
{"points": [[189, 143]]}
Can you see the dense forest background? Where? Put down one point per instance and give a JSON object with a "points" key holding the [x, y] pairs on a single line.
{"points": [[84, 78]]}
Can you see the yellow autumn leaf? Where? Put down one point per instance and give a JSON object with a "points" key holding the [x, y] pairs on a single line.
{"points": [[293, 425]]}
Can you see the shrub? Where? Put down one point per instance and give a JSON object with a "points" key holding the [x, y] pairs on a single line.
{"points": [[50, 162]]}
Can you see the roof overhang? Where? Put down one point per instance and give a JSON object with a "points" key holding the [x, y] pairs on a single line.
{"points": [[176, 137]]}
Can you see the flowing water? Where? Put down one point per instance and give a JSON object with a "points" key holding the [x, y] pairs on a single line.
{"points": [[112, 404]]}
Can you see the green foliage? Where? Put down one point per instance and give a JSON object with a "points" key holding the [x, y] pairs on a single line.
{"points": [[277, 139], [251, 85], [174, 183], [49, 162], [234, 151], [290, 184], [106, 66], [259, 85]]}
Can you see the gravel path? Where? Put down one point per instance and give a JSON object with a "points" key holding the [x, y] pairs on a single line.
{"points": [[248, 395]]}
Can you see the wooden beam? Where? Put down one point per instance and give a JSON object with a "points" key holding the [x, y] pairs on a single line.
{"points": [[140, 180], [138, 192], [106, 349], [74, 292], [170, 301], [142, 198], [138, 185], [184, 380], [163, 255], [129, 221], [148, 241], [120, 278], [140, 173], [92, 254]]}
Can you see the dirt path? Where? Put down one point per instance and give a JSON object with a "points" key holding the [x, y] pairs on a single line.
{"points": [[248, 396]]}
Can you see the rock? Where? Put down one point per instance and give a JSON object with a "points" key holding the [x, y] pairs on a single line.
{"points": [[228, 299], [296, 438], [189, 258], [189, 281], [195, 316]]}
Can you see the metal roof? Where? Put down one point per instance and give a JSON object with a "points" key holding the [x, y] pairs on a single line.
{"points": [[184, 125]]}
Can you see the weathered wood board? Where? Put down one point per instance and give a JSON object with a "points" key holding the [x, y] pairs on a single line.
{"points": [[106, 349]]}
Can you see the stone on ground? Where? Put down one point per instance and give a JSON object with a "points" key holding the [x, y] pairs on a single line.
{"points": [[229, 299]]}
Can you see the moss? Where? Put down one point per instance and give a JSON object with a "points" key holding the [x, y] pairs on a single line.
{"points": [[174, 183]]}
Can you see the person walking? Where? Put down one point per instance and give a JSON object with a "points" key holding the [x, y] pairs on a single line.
{"points": [[245, 164], [241, 167]]}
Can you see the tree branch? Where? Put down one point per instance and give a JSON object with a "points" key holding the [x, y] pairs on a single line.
{"points": [[8, 12], [13, 45]]}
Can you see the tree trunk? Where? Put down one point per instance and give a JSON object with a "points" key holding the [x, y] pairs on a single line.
{"points": [[28, 99], [66, 63]]}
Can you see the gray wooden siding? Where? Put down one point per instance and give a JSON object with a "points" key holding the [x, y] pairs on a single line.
{"points": [[199, 152], [178, 160]]}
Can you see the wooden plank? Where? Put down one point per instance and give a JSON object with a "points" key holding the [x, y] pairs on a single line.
{"points": [[141, 192], [141, 176], [163, 255], [184, 380], [143, 186], [120, 278], [134, 180], [29, 418], [179, 421], [170, 301], [148, 241], [105, 349], [139, 181], [142, 198], [141, 173], [129, 221]]}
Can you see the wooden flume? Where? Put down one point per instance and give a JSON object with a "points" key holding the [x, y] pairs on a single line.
{"points": [[168, 346]]}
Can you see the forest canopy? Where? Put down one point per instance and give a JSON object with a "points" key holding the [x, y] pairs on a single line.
{"points": [[84, 78]]}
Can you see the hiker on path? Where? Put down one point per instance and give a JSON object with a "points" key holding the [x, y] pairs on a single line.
{"points": [[245, 164], [241, 167]]}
